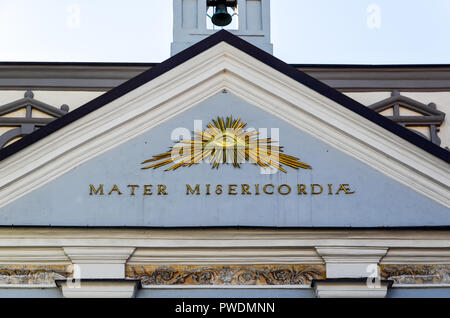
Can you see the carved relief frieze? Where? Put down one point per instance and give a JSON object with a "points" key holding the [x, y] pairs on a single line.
{"points": [[33, 274], [416, 274], [226, 274]]}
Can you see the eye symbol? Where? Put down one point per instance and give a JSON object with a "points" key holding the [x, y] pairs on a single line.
{"points": [[226, 141]]}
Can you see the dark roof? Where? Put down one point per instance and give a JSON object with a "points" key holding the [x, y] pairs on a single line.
{"points": [[372, 66], [151, 64], [264, 57], [118, 64]]}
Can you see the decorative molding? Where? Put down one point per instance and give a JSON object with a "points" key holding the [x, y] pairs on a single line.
{"points": [[351, 254], [99, 262], [68, 76], [226, 274], [286, 252], [350, 288], [33, 274], [210, 256], [29, 256], [374, 78], [255, 239], [28, 123], [351, 262], [416, 274], [430, 116], [111, 288], [181, 287], [101, 254], [222, 67], [416, 256]]}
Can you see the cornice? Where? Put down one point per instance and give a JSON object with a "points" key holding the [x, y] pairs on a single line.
{"points": [[105, 76]]}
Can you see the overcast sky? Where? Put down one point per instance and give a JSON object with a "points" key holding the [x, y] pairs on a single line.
{"points": [[303, 31]]}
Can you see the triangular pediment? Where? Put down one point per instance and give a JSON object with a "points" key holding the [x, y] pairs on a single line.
{"points": [[224, 63]]}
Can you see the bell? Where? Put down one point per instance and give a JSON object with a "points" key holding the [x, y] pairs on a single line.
{"points": [[221, 16]]}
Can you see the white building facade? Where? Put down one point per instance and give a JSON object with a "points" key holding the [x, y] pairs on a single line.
{"points": [[224, 172]]}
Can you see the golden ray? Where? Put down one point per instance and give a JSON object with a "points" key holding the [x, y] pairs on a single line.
{"points": [[225, 141]]}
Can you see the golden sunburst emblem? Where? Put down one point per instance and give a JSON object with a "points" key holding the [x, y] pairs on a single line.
{"points": [[225, 141]]}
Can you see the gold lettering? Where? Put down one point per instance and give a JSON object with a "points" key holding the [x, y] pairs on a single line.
{"points": [[245, 189], [133, 187], [301, 189], [162, 189], [344, 187], [92, 189], [232, 189], [313, 190], [196, 190], [148, 189], [265, 188], [284, 186], [348, 189], [115, 188]]}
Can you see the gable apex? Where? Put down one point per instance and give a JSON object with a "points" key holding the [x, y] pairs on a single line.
{"points": [[222, 61], [255, 52]]}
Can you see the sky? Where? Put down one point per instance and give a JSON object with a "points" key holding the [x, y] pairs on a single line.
{"points": [[302, 31]]}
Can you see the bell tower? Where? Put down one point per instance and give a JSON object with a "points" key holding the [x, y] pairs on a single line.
{"points": [[193, 21]]}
